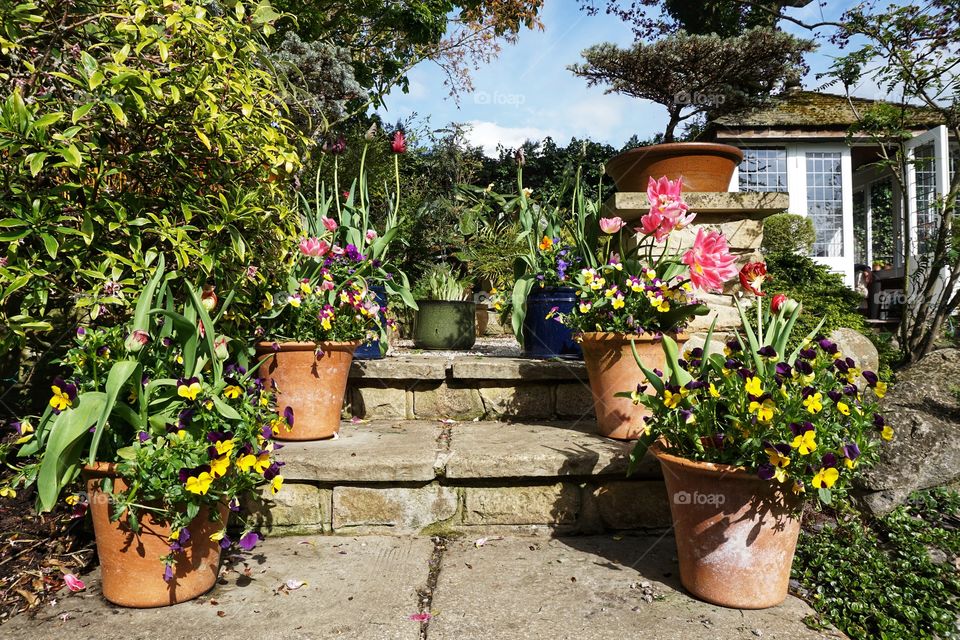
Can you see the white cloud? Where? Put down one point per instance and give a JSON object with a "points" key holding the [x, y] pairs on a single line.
{"points": [[487, 135]]}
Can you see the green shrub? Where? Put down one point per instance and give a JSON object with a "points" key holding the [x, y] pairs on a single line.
{"points": [[130, 128], [880, 579], [822, 292], [788, 233]]}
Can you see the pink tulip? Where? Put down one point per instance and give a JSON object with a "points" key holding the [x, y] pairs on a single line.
{"points": [[668, 211], [371, 235], [73, 582], [710, 261], [329, 223], [611, 225], [314, 247], [336, 250]]}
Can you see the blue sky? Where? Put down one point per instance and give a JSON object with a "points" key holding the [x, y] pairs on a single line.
{"points": [[527, 92]]}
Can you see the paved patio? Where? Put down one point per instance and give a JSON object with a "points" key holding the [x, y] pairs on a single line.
{"points": [[368, 587]]}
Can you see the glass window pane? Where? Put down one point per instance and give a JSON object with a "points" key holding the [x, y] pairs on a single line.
{"points": [[825, 202], [926, 180], [763, 170]]}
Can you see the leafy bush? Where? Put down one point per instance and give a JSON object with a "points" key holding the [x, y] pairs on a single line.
{"points": [[788, 233], [130, 128], [879, 579]]}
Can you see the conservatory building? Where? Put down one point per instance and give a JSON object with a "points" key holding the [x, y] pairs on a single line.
{"points": [[798, 143]]}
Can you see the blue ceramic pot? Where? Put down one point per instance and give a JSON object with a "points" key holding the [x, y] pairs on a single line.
{"points": [[371, 350], [547, 338]]}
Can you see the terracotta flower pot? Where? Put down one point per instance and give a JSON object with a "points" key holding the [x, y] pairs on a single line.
{"points": [[612, 369], [312, 386], [130, 563], [703, 166], [736, 534]]}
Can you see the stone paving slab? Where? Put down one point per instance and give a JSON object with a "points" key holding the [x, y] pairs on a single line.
{"points": [[356, 588], [522, 450], [376, 451], [518, 369], [579, 588]]}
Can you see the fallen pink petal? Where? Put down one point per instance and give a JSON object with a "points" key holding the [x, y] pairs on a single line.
{"points": [[73, 582], [420, 617]]}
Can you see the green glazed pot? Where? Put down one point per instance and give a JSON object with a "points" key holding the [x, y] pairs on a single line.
{"points": [[445, 324]]}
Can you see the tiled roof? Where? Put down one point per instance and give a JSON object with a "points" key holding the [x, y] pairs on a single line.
{"points": [[811, 109]]}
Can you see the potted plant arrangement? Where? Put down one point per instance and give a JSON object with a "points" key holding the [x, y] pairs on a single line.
{"points": [[633, 291], [743, 71], [343, 220], [543, 266], [167, 433], [312, 323], [744, 438], [446, 316]]}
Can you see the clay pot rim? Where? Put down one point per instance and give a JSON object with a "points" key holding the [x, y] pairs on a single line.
{"points": [[656, 152], [100, 470], [342, 345], [703, 468], [616, 336], [458, 302]]}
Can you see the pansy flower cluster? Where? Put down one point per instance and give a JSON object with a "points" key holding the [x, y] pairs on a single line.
{"points": [[556, 262], [326, 297], [807, 419], [636, 285]]}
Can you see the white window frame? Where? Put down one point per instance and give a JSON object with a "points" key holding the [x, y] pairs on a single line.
{"points": [[797, 189], [939, 137]]}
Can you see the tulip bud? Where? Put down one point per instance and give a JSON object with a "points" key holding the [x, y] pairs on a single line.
{"points": [[136, 341]]}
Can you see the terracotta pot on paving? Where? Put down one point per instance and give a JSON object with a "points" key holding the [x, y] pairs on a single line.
{"points": [[130, 563], [736, 534], [612, 369], [312, 385], [702, 166]]}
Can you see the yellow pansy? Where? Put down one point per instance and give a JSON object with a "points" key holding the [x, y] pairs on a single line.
{"points": [[887, 433], [843, 408], [713, 391], [753, 386], [814, 402], [219, 466], [805, 442], [189, 389], [764, 410], [199, 484], [825, 478], [880, 389], [276, 484], [232, 391], [246, 462]]}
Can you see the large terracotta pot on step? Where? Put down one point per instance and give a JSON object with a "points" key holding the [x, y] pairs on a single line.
{"points": [[612, 369], [736, 534], [312, 385], [703, 166], [130, 563]]}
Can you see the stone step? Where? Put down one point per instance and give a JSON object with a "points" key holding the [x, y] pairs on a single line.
{"points": [[491, 381], [418, 476]]}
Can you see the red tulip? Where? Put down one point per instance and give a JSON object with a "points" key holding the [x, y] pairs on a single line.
{"points": [[776, 302], [752, 276], [399, 143]]}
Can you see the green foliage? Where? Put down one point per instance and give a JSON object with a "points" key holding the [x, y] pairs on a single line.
{"points": [[879, 579], [128, 129], [442, 282], [788, 233], [692, 75]]}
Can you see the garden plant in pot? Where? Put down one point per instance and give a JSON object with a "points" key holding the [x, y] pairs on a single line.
{"points": [[692, 76], [311, 326], [446, 317], [746, 436], [336, 219], [167, 433], [544, 262], [632, 291]]}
